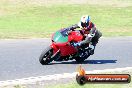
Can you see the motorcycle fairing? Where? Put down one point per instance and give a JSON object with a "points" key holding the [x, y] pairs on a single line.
{"points": [[61, 42], [67, 50]]}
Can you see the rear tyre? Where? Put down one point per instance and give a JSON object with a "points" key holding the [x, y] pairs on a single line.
{"points": [[79, 60], [45, 57], [82, 56]]}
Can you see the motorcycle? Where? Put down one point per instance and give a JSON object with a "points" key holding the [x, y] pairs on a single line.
{"points": [[63, 49]]}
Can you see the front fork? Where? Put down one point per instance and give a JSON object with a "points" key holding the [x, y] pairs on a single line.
{"points": [[56, 52]]}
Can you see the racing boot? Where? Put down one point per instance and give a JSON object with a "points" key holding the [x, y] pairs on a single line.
{"points": [[92, 48]]}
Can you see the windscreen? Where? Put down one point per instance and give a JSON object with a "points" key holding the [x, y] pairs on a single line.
{"points": [[60, 37]]}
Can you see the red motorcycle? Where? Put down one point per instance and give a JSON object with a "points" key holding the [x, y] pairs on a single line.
{"points": [[63, 49]]}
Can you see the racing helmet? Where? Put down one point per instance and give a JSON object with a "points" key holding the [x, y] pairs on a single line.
{"points": [[85, 20]]}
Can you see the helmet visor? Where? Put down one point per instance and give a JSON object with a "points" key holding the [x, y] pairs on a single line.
{"points": [[84, 24]]}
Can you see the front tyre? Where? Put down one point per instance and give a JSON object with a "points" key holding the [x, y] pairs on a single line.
{"points": [[45, 57]]}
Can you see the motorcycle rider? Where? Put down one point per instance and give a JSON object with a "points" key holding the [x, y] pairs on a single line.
{"points": [[89, 31]]}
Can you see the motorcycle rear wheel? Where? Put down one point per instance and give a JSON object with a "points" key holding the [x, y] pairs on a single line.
{"points": [[81, 59], [45, 57]]}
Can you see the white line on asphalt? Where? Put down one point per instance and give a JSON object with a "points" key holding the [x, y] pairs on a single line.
{"points": [[34, 80]]}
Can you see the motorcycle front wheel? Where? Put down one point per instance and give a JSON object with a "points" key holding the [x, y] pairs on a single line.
{"points": [[45, 57]]}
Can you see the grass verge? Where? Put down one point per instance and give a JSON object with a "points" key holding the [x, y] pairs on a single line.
{"points": [[38, 21]]}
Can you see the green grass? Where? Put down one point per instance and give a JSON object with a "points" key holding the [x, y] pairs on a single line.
{"points": [[34, 21]]}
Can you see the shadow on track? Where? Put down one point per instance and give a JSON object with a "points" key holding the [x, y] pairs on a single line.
{"points": [[86, 62]]}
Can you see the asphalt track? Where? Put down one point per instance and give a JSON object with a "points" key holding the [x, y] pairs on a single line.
{"points": [[19, 58]]}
